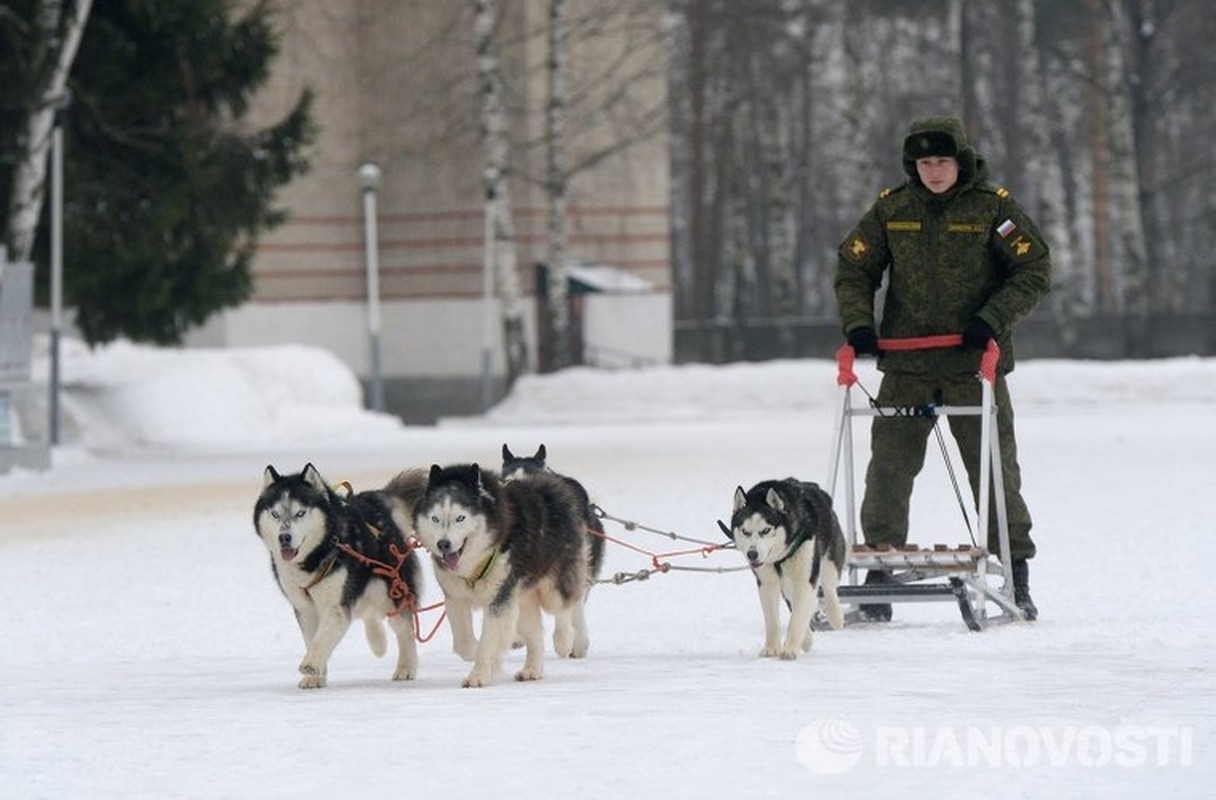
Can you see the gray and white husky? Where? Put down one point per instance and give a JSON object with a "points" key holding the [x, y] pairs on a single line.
{"points": [[302, 521], [515, 467], [792, 540], [512, 549]]}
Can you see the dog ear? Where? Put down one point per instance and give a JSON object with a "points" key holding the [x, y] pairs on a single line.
{"points": [[269, 476], [433, 478], [476, 476], [313, 478], [773, 498], [540, 453], [506, 453], [740, 498]]}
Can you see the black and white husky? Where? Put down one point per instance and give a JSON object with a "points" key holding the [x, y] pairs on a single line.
{"points": [[792, 540], [302, 521], [510, 548]]}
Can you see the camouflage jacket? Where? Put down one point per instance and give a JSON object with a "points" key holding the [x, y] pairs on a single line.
{"points": [[947, 259]]}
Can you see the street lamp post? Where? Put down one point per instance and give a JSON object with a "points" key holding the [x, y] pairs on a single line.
{"points": [[56, 261], [369, 181], [487, 295]]}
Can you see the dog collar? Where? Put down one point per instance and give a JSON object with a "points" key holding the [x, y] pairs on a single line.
{"points": [[326, 567], [485, 568], [793, 548]]}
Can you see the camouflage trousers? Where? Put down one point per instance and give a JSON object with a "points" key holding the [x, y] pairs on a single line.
{"points": [[897, 454]]}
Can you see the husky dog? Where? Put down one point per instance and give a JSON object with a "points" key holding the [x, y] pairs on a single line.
{"points": [[794, 545], [515, 467], [511, 548], [523, 467], [302, 521]]}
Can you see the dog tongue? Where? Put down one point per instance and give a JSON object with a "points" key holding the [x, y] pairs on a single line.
{"points": [[450, 560], [288, 553]]}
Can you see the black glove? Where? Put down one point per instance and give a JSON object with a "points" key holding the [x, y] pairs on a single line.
{"points": [[976, 335], [864, 341]]}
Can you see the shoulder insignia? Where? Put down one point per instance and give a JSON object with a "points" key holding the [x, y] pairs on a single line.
{"points": [[1019, 245], [885, 193], [1002, 192], [856, 249], [890, 190]]}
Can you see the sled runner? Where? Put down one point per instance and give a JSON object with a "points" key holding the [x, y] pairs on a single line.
{"points": [[968, 574]]}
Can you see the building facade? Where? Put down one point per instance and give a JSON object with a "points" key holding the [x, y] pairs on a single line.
{"points": [[395, 85]]}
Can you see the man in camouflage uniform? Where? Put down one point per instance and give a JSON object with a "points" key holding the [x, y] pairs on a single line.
{"points": [[959, 256]]}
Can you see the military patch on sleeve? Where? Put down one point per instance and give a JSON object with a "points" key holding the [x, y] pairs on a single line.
{"points": [[1022, 246], [855, 248], [1005, 228]]}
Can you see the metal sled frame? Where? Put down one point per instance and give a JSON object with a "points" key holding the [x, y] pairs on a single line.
{"points": [[917, 572]]}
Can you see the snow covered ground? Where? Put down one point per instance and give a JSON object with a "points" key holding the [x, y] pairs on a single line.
{"points": [[147, 653]]}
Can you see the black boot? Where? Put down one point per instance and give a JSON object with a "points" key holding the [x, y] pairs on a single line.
{"points": [[1021, 588], [876, 612]]}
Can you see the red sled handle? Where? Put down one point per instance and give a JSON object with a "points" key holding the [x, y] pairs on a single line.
{"points": [[845, 356]]}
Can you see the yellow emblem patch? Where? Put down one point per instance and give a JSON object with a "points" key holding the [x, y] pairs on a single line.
{"points": [[858, 247], [1021, 246]]}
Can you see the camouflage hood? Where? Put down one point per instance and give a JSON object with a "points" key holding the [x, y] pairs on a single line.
{"points": [[941, 136]]}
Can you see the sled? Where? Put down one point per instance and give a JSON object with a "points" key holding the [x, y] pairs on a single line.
{"points": [[967, 575]]}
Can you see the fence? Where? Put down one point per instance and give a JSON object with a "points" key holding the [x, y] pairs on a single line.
{"points": [[1040, 336]]}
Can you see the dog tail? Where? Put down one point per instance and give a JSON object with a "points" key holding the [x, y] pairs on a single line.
{"points": [[408, 486], [375, 636]]}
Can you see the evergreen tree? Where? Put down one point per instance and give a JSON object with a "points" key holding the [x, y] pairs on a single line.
{"points": [[168, 189]]}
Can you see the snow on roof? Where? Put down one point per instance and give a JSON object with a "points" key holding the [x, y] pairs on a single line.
{"points": [[603, 278]]}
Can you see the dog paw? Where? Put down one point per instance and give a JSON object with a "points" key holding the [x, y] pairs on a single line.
{"points": [[563, 640], [769, 651], [476, 680], [314, 678], [529, 674], [403, 674], [580, 648], [788, 655]]}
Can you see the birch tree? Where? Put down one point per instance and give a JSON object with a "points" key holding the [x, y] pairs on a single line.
{"points": [[1127, 211], [497, 142], [1099, 155], [54, 35], [1049, 162], [556, 181], [592, 113]]}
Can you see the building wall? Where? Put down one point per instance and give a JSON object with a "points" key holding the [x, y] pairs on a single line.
{"points": [[395, 84]]}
